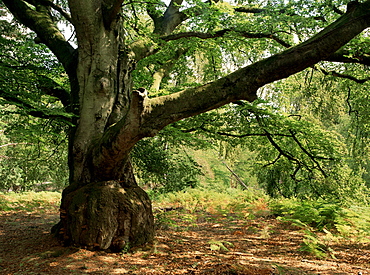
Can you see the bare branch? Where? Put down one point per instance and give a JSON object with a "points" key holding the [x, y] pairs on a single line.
{"points": [[249, 10], [273, 162], [312, 157], [233, 135], [241, 182], [338, 11], [346, 76]]}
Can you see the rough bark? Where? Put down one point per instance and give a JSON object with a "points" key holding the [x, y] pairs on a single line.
{"points": [[103, 208], [106, 215]]}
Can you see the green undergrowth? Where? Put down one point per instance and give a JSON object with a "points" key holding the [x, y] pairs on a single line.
{"points": [[347, 221], [30, 201], [324, 223], [231, 200]]}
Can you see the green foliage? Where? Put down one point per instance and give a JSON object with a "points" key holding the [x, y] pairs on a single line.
{"points": [[164, 168], [28, 72], [216, 245], [307, 138], [32, 150], [313, 245], [230, 200], [346, 220], [32, 158], [321, 222], [318, 214], [291, 155]]}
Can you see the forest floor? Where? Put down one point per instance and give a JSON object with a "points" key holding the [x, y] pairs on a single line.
{"points": [[185, 243]]}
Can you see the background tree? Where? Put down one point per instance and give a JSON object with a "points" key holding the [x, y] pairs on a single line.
{"points": [[109, 112], [32, 149]]}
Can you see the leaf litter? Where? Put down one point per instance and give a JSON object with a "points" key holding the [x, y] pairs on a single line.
{"points": [[186, 242]]}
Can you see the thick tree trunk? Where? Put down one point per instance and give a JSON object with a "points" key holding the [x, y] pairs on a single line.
{"points": [[106, 215], [103, 207]]}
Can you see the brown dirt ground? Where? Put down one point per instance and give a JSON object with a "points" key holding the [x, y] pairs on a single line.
{"points": [[186, 243]]}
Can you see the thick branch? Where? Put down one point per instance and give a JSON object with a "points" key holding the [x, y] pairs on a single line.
{"points": [[243, 84], [29, 109], [42, 24], [171, 18], [165, 68], [56, 7], [49, 87], [343, 57]]}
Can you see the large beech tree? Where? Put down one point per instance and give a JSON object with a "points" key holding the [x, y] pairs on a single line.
{"points": [[103, 207]]}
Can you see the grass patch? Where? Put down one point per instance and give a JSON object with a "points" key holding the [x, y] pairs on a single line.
{"points": [[30, 201]]}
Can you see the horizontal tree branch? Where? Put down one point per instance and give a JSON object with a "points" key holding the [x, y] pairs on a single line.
{"points": [[31, 110], [243, 83], [202, 128], [49, 87], [262, 10], [345, 76], [249, 10], [344, 56]]}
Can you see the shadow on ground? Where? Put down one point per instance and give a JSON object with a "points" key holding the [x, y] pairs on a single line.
{"points": [[196, 243]]}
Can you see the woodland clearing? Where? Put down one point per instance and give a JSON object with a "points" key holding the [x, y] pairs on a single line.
{"points": [[187, 242]]}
